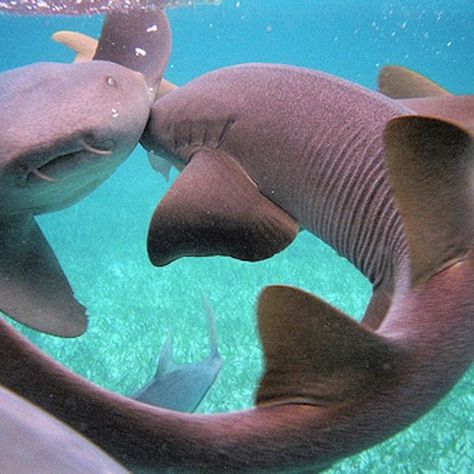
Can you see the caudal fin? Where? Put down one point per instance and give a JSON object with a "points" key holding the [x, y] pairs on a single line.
{"points": [[85, 47]]}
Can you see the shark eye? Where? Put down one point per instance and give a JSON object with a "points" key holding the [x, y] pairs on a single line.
{"points": [[110, 81]]}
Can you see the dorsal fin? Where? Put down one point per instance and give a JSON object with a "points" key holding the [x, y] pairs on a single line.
{"points": [[314, 353], [399, 82], [430, 168], [165, 362]]}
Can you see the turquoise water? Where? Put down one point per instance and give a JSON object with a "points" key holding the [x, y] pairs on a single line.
{"points": [[101, 241]]}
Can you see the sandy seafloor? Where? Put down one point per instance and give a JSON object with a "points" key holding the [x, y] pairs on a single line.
{"points": [[101, 241]]}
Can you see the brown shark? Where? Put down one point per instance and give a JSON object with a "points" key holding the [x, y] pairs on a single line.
{"points": [[264, 151], [65, 129]]}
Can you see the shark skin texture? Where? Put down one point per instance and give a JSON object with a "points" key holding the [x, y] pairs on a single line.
{"points": [[33, 441], [65, 129], [264, 151]]}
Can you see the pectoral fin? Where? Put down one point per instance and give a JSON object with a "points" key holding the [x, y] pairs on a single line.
{"points": [[33, 288], [213, 208], [430, 168], [314, 354]]}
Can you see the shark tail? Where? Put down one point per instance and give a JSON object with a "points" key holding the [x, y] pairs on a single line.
{"points": [[150, 56]]}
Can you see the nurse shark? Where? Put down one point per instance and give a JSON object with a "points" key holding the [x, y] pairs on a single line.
{"points": [[65, 129], [266, 150]]}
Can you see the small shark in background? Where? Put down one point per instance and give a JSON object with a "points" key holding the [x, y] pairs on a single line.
{"points": [[65, 129], [182, 387], [31, 440]]}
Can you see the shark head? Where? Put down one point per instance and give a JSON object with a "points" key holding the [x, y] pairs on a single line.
{"points": [[66, 128]]}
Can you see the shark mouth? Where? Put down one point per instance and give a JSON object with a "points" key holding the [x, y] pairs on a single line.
{"points": [[65, 161]]}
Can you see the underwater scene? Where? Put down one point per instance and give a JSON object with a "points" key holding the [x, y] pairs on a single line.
{"points": [[101, 241]]}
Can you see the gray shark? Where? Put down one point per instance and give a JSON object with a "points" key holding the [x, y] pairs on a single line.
{"points": [[182, 387], [65, 129], [31, 440]]}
